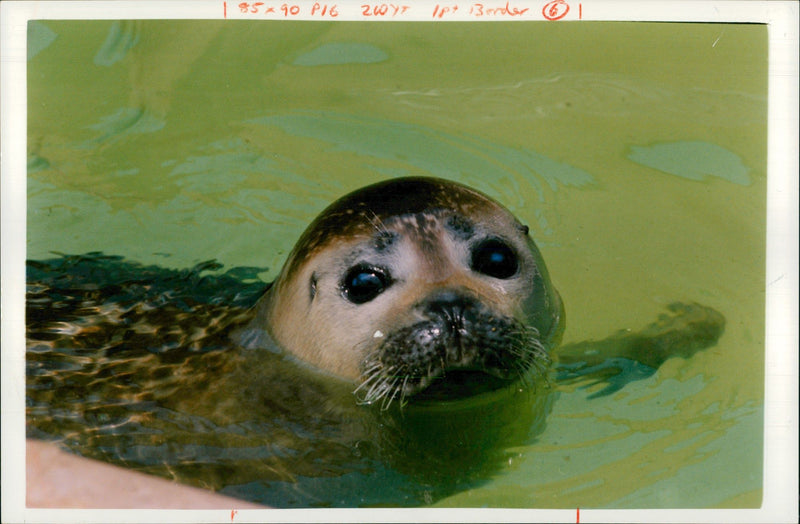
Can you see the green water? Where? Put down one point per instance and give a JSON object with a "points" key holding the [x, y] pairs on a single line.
{"points": [[635, 152]]}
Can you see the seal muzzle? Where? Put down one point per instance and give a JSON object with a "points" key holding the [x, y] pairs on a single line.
{"points": [[458, 349]]}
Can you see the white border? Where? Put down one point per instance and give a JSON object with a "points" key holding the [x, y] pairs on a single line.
{"points": [[781, 400]]}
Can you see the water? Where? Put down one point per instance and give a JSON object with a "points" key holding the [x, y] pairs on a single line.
{"points": [[635, 152]]}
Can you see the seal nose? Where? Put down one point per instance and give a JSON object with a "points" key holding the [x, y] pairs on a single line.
{"points": [[446, 299], [452, 306]]}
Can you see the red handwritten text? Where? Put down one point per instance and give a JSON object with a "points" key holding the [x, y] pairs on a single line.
{"points": [[323, 10], [380, 10], [253, 8], [388, 9], [479, 10], [440, 12], [290, 10], [555, 10]]}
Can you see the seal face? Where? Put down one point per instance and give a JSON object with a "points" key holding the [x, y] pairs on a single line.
{"points": [[413, 287]]}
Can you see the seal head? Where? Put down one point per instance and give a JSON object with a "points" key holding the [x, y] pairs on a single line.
{"points": [[413, 287]]}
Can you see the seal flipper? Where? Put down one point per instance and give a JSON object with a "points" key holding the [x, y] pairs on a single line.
{"points": [[625, 357]]}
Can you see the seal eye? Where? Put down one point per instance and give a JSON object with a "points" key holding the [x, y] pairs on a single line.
{"points": [[494, 258], [363, 283]]}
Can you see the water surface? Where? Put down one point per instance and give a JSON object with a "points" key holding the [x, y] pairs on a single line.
{"points": [[635, 152]]}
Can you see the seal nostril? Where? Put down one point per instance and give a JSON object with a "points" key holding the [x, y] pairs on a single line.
{"points": [[451, 307]]}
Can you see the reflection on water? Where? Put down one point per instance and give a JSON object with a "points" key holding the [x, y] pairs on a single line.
{"points": [[440, 154], [693, 160], [122, 36]]}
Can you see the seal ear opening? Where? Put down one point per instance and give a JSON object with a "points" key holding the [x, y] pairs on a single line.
{"points": [[312, 287]]}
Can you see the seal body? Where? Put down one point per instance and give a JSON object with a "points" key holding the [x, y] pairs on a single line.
{"points": [[413, 286]]}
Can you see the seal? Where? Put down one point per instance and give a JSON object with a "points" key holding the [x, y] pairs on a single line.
{"points": [[413, 287]]}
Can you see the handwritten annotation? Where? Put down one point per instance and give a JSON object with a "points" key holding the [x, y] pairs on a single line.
{"points": [[521, 9]]}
